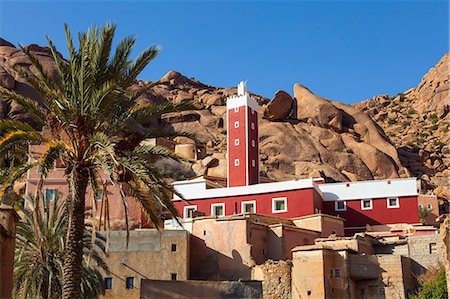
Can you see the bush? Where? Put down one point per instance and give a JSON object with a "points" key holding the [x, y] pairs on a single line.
{"points": [[433, 285], [433, 118], [412, 111], [391, 121]]}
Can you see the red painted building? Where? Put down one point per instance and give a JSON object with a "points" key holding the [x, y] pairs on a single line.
{"points": [[359, 203]]}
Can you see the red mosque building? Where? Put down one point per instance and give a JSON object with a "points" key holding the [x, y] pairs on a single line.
{"points": [[375, 202]]}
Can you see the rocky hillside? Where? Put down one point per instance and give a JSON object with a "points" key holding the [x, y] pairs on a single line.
{"points": [[418, 122], [304, 136]]}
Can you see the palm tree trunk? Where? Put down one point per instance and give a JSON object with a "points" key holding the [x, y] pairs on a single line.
{"points": [[73, 256]]}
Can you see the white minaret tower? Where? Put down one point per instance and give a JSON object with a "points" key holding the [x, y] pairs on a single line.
{"points": [[242, 138]]}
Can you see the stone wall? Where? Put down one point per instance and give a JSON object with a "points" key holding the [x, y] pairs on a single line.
{"points": [[425, 251], [275, 277], [195, 289], [445, 238]]}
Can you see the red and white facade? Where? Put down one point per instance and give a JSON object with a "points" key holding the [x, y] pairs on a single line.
{"points": [[242, 139], [376, 202]]}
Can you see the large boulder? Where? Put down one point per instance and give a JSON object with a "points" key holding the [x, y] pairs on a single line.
{"points": [[316, 110], [6, 80], [279, 108]]}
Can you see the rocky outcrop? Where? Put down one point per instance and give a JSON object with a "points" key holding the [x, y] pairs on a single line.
{"points": [[309, 136], [418, 124], [316, 110], [279, 107]]}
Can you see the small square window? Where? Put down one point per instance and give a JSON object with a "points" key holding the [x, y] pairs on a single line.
{"points": [[129, 283], [340, 205], [189, 211], [253, 163], [279, 205], [50, 194], [236, 162], [253, 143], [174, 247], [218, 209], [337, 272], [173, 276], [420, 206], [429, 206], [99, 194], [236, 124], [253, 126], [366, 204], [108, 283], [393, 202], [40, 169], [236, 109], [249, 207], [433, 248], [236, 141]]}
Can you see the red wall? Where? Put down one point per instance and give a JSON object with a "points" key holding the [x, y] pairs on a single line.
{"points": [[380, 214], [299, 203], [237, 175], [253, 152]]}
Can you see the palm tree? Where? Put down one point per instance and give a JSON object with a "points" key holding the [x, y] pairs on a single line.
{"points": [[92, 125], [424, 212], [38, 263]]}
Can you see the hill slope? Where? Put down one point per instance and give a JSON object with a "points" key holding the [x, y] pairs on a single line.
{"points": [[307, 136]]}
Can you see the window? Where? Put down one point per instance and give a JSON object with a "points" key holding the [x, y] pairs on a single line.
{"points": [[174, 247], [420, 206], [366, 204], [236, 124], [393, 202], [40, 169], [253, 163], [236, 162], [253, 126], [279, 205], [340, 205], [218, 209], [236, 141], [433, 248], [249, 206], [129, 283], [253, 143], [99, 194], [108, 283], [337, 272], [189, 211], [50, 194], [236, 109], [173, 276], [429, 206]]}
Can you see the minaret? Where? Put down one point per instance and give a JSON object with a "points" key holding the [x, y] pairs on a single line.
{"points": [[242, 139]]}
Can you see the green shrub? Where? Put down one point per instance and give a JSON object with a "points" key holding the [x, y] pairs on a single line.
{"points": [[433, 118], [433, 127], [391, 121], [433, 285], [412, 111]]}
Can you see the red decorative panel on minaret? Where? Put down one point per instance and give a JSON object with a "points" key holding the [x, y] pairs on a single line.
{"points": [[242, 139]]}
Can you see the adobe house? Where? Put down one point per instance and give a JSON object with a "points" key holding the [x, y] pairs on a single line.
{"points": [[8, 222], [151, 254]]}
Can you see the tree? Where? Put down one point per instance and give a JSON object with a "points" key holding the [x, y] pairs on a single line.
{"points": [[38, 263], [92, 124], [424, 212]]}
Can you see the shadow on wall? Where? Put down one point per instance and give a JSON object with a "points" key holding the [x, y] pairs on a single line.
{"points": [[209, 264]]}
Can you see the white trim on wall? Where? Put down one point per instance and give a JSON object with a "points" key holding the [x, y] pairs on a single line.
{"points": [[185, 210], [396, 206], [367, 208], [336, 207], [253, 202], [277, 199], [217, 205]]}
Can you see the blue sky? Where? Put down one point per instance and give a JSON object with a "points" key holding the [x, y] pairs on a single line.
{"points": [[347, 51]]}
